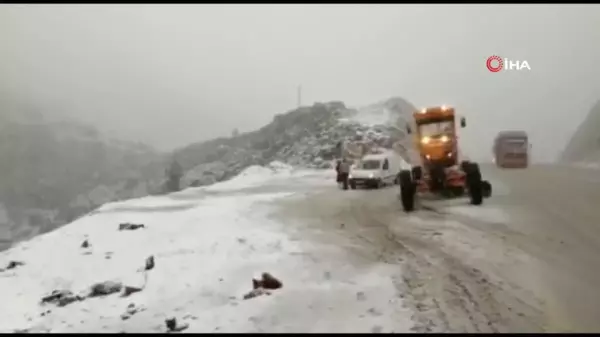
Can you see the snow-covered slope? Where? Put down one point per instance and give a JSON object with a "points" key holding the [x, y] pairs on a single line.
{"points": [[206, 243]]}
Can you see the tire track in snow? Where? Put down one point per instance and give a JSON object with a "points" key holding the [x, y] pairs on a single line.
{"points": [[445, 290]]}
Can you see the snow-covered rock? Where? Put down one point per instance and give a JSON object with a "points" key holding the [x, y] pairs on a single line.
{"points": [[308, 137]]}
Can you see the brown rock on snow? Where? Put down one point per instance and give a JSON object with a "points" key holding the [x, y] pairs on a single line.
{"points": [[128, 290], [174, 326], [14, 264], [270, 282], [261, 287], [61, 298], [267, 281], [130, 226], [105, 288], [149, 263]]}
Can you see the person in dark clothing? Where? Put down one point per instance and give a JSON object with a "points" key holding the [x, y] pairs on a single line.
{"points": [[337, 170], [344, 172]]}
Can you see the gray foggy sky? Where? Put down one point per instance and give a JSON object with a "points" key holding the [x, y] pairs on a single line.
{"points": [[173, 74]]}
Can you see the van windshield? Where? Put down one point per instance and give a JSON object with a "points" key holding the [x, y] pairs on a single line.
{"points": [[370, 164]]}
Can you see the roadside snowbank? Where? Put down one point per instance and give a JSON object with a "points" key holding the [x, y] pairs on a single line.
{"points": [[254, 176], [205, 253]]}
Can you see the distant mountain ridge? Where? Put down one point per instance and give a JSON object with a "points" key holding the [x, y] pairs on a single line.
{"points": [[52, 171], [584, 146]]}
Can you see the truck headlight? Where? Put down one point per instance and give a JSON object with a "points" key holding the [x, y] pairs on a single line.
{"points": [[370, 175], [444, 139], [349, 176], [425, 140]]}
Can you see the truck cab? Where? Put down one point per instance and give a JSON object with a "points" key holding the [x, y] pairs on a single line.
{"points": [[436, 136], [511, 149]]}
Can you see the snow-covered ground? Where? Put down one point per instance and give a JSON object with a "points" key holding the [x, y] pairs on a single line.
{"points": [[588, 165], [256, 176], [206, 251]]}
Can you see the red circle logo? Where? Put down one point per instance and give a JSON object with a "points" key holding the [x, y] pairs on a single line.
{"points": [[494, 63]]}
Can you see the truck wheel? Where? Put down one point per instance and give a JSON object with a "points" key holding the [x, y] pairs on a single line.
{"points": [[474, 183], [417, 173], [486, 189], [464, 165], [407, 191], [352, 184]]}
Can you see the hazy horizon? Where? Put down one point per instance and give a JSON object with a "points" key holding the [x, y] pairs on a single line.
{"points": [[169, 75]]}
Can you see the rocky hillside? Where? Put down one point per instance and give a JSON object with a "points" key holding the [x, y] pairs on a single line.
{"points": [[584, 147], [307, 137]]}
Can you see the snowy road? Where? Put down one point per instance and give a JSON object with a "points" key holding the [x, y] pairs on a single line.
{"points": [[450, 265], [350, 261], [555, 219], [526, 261]]}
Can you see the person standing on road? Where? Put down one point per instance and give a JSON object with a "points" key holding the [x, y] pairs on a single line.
{"points": [[344, 172], [337, 171]]}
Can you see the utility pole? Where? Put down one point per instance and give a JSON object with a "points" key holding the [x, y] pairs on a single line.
{"points": [[299, 95]]}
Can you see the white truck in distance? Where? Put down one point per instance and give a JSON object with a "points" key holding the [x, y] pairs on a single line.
{"points": [[376, 170]]}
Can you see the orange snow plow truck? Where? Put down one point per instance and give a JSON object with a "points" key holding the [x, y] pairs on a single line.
{"points": [[440, 170]]}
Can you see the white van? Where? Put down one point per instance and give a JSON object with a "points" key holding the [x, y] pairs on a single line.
{"points": [[376, 170]]}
